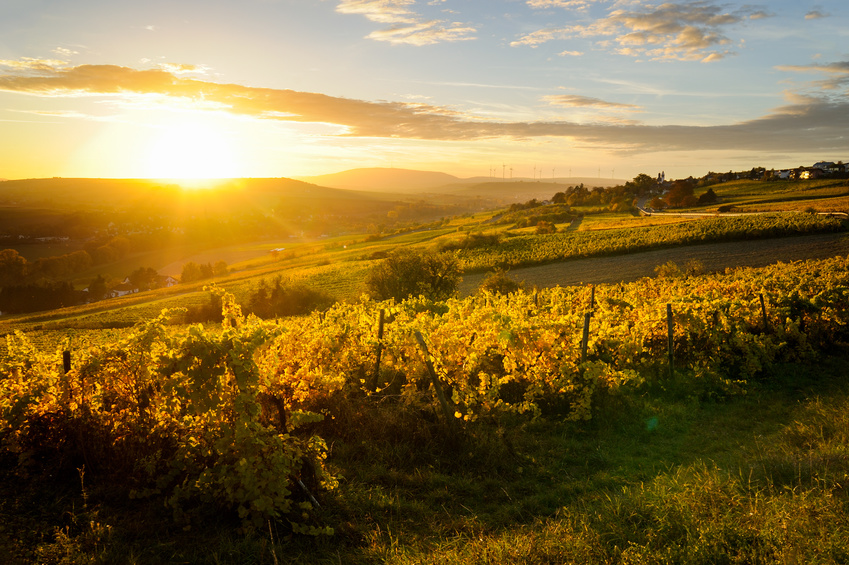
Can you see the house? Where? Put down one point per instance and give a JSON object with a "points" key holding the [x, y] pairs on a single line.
{"points": [[806, 173], [121, 290], [165, 281]]}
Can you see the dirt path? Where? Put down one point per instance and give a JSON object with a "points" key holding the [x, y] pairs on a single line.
{"points": [[714, 256]]}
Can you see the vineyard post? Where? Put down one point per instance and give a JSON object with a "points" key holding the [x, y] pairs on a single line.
{"points": [[670, 327], [66, 366], [763, 313], [449, 416], [376, 375], [585, 339], [592, 298]]}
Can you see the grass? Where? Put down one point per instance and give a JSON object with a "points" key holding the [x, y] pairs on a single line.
{"points": [[756, 479], [746, 195]]}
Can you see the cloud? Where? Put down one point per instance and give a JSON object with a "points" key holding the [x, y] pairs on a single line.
{"points": [[424, 33], [569, 4], [674, 31], [815, 15], [183, 69], [64, 52], [575, 101], [26, 64], [809, 124], [406, 26], [382, 11], [571, 53], [838, 73]]}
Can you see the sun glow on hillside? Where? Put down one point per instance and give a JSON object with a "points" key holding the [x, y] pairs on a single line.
{"points": [[191, 150]]}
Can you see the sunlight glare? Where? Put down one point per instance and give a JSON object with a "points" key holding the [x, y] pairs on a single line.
{"points": [[192, 151]]}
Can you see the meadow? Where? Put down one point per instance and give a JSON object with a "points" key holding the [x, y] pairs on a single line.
{"points": [[689, 417]]}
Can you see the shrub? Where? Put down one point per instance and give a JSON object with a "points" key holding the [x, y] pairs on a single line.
{"points": [[471, 241], [407, 273], [498, 282], [281, 299]]}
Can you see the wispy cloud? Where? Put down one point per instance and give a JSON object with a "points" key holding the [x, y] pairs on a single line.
{"points": [[27, 64], [676, 31], [576, 101], [406, 26], [805, 124], [815, 15], [65, 52], [837, 72], [569, 4]]}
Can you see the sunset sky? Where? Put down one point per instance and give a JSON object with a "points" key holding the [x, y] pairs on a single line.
{"points": [[286, 88]]}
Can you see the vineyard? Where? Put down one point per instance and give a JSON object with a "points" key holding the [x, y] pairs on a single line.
{"points": [[527, 249], [245, 419]]}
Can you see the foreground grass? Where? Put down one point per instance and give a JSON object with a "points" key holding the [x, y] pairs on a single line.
{"points": [[655, 478]]}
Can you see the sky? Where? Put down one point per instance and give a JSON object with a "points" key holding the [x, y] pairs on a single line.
{"points": [[500, 88]]}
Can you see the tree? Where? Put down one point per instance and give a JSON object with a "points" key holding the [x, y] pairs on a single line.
{"points": [[97, 289], [544, 227], [191, 272], [13, 267], [643, 184], [407, 273], [681, 195], [708, 197], [559, 198], [143, 278], [657, 203]]}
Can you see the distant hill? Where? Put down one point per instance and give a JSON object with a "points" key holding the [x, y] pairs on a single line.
{"points": [[406, 181], [221, 195], [384, 180], [521, 190]]}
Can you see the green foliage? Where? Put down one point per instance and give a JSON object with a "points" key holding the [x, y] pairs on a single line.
{"points": [[279, 299], [196, 272], [407, 272], [525, 250], [544, 227], [471, 241], [177, 416], [498, 282], [224, 420]]}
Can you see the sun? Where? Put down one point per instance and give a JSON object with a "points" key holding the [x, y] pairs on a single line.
{"points": [[192, 150]]}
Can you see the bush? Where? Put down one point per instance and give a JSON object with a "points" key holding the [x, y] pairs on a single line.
{"points": [[281, 299], [407, 273], [544, 227], [499, 283], [471, 241]]}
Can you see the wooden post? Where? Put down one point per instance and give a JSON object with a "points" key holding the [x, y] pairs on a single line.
{"points": [[446, 410], [763, 313], [66, 366], [592, 298], [585, 339], [376, 376], [670, 329]]}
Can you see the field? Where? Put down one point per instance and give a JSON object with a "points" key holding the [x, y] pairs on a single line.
{"points": [[693, 414]]}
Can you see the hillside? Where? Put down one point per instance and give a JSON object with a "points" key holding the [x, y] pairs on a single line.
{"points": [[408, 181], [384, 180], [94, 194]]}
